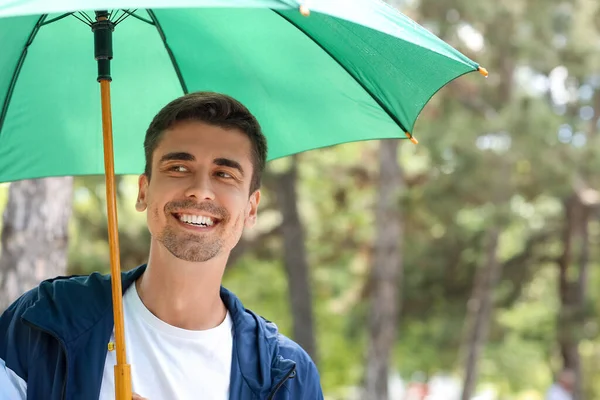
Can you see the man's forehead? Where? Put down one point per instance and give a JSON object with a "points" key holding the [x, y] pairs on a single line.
{"points": [[201, 140]]}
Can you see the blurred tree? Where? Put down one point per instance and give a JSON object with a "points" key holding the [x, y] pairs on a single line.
{"points": [[579, 206], [480, 308], [295, 260], [386, 273], [34, 235]]}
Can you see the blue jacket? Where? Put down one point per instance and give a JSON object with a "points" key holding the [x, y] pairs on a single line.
{"points": [[53, 344]]}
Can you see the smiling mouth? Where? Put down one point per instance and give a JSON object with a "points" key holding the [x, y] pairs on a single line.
{"points": [[202, 221]]}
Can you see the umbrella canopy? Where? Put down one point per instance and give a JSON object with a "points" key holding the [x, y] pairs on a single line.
{"points": [[349, 71]]}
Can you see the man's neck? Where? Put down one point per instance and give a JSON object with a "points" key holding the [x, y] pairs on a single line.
{"points": [[181, 293]]}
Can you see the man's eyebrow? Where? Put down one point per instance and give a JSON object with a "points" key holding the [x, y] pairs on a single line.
{"points": [[226, 162], [177, 156]]}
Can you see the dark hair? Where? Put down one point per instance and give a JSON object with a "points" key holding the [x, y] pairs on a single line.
{"points": [[214, 109]]}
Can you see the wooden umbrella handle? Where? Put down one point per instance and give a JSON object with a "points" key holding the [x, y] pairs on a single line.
{"points": [[122, 369]]}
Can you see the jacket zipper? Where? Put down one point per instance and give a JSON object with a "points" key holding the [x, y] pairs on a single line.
{"points": [[64, 349], [289, 375]]}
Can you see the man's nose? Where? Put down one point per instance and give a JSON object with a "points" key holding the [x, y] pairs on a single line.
{"points": [[201, 188]]}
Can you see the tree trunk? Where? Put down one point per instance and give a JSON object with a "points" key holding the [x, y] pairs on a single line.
{"points": [[34, 235], [386, 273], [295, 260], [578, 211], [479, 309], [584, 258], [573, 287]]}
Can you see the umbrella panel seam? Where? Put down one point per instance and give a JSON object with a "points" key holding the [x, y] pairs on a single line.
{"points": [[15, 76], [42, 21], [17, 71], [169, 51], [379, 103]]}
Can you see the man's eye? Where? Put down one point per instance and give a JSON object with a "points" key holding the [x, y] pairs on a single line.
{"points": [[179, 168], [224, 174]]}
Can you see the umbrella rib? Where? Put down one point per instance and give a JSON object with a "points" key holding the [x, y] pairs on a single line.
{"points": [[86, 17], [85, 21], [379, 102], [17, 70], [134, 15], [56, 19], [169, 51], [115, 16], [123, 17]]}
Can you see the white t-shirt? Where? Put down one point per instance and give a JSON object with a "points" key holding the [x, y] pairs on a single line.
{"points": [[167, 362], [557, 392]]}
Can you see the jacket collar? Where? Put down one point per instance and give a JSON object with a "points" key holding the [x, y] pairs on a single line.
{"points": [[256, 348]]}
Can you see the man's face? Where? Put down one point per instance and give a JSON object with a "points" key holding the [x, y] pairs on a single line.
{"points": [[198, 198]]}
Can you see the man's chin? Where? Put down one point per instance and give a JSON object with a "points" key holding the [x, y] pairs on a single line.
{"points": [[191, 246], [195, 252]]}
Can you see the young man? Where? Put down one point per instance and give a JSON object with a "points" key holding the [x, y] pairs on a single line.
{"points": [[186, 336]]}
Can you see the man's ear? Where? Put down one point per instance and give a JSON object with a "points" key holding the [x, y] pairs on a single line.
{"points": [[140, 204], [252, 209]]}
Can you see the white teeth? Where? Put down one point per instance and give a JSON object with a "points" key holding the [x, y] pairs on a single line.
{"points": [[196, 219]]}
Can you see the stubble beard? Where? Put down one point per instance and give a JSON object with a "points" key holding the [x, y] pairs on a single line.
{"points": [[193, 247], [190, 247], [201, 247]]}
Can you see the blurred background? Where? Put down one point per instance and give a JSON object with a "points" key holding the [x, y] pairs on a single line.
{"points": [[464, 267]]}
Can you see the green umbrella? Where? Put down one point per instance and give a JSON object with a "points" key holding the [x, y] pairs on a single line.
{"points": [[312, 81], [315, 74]]}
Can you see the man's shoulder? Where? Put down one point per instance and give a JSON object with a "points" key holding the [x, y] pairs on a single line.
{"points": [[306, 381], [63, 288], [251, 323], [286, 347], [46, 288], [291, 350], [93, 287], [305, 366], [55, 303]]}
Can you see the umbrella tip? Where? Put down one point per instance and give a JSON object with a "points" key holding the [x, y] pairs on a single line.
{"points": [[482, 71], [411, 137], [304, 10]]}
